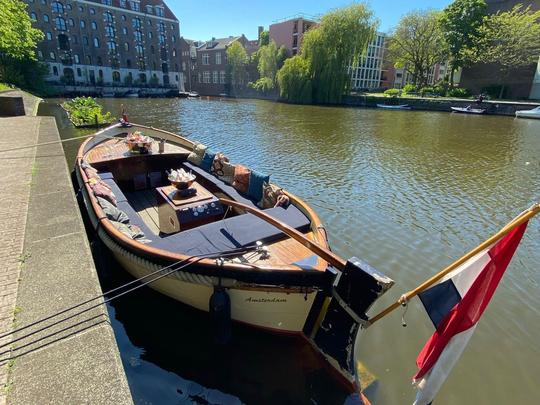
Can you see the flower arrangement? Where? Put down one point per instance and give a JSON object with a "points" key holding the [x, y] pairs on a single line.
{"points": [[137, 142]]}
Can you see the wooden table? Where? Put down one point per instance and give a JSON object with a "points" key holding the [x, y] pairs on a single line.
{"points": [[177, 213]]}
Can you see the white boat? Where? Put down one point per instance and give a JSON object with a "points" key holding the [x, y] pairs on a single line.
{"points": [[394, 107], [131, 94], [468, 110], [107, 94], [534, 113]]}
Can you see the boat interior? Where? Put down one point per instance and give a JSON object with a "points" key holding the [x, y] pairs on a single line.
{"points": [[195, 224]]}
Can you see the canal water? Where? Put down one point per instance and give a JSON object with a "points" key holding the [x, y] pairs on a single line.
{"points": [[408, 192]]}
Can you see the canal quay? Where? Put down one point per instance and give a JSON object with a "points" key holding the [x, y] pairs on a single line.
{"points": [[48, 267], [407, 191]]}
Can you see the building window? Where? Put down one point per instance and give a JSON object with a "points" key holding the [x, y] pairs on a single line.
{"points": [[48, 35], [116, 76], [111, 46], [40, 54], [92, 11], [94, 25], [199, 77], [153, 65], [124, 18], [126, 47], [124, 30], [63, 42], [76, 59], [57, 7], [174, 53], [149, 9], [71, 22], [33, 16], [88, 59], [96, 42], [60, 24], [139, 49], [164, 68], [45, 18], [152, 49], [108, 17], [162, 39], [215, 76], [205, 59], [163, 52], [149, 22], [150, 34], [141, 65], [218, 58], [206, 76], [82, 24], [161, 27], [52, 55], [173, 38], [115, 63], [109, 31], [136, 23], [79, 73], [123, 3], [107, 2], [99, 61], [55, 69], [81, 9], [68, 7], [159, 11], [42, 2], [138, 36], [74, 39], [135, 5], [128, 63], [222, 76], [85, 40]]}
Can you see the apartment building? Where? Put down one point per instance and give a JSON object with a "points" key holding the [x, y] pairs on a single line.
{"points": [[368, 74], [290, 31], [94, 43]]}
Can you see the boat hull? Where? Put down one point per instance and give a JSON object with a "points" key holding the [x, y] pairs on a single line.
{"points": [[394, 107], [468, 111], [527, 114]]}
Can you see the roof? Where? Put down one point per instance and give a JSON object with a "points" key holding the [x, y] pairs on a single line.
{"points": [[167, 13], [218, 43]]}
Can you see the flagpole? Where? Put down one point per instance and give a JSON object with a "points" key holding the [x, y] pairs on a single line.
{"points": [[520, 219]]}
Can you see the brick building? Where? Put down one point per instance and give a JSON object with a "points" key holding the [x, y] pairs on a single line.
{"points": [[290, 31], [108, 42]]}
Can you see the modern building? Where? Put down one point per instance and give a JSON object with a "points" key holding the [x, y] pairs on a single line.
{"points": [[368, 74], [522, 83], [290, 31], [95, 43]]}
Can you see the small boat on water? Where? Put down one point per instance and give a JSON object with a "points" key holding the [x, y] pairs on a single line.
{"points": [[534, 113], [468, 110], [193, 94], [107, 94], [394, 107], [131, 94], [233, 239]]}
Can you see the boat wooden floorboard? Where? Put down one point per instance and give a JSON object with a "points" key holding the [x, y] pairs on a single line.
{"points": [[144, 202]]}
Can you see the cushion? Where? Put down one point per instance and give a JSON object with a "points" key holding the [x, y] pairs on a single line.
{"points": [[228, 173], [207, 160], [92, 173], [222, 168], [100, 190], [270, 195], [131, 231], [113, 213], [241, 178], [196, 156], [255, 186]]}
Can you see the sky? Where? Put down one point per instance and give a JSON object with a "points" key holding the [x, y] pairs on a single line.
{"points": [[204, 19]]}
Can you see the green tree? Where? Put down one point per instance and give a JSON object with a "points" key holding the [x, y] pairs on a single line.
{"points": [[237, 60], [334, 46], [294, 80], [460, 22], [510, 39], [417, 44], [270, 59], [264, 38]]}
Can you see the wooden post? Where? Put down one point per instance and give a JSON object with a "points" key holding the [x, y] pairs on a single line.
{"points": [[520, 219]]}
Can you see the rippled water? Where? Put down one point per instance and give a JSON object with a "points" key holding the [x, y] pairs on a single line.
{"points": [[409, 192]]}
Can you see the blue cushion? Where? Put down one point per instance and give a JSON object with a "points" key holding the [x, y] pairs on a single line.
{"points": [[255, 188], [106, 175], [207, 160]]}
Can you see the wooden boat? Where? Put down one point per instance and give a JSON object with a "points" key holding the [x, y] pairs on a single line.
{"points": [[534, 113], [394, 107], [468, 110], [281, 285]]}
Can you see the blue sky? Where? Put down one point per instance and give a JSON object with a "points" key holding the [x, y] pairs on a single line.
{"points": [[204, 19]]}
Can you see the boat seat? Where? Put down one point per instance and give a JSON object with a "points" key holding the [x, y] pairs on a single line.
{"points": [[221, 185], [135, 219], [234, 232], [120, 197], [106, 175]]}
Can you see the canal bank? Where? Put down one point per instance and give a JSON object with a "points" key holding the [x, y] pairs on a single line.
{"points": [[48, 267]]}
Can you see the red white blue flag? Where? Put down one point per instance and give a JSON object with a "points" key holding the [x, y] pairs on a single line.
{"points": [[455, 305]]}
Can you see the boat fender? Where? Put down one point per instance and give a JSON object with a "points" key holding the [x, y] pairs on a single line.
{"points": [[220, 315]]}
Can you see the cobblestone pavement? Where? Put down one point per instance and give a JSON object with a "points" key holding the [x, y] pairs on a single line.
{"points": [[15, 179]]}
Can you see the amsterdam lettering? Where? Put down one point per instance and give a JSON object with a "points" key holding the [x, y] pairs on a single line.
{"points": [[251, 299]]}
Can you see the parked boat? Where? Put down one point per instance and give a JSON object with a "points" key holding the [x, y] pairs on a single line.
{"points": [[107, 94], [131, 94], [193, 94], [534, 113], [238, 233], [468, 110], [394, 107]]}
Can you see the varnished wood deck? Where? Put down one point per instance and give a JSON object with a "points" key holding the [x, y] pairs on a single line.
{"points": [[144, 202], [116, 148]]}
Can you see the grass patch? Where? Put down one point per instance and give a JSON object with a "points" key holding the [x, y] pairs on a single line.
{"points": [[4, 86]]}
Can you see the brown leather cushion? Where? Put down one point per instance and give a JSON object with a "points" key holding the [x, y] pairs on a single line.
{"points": [[241, 178], [196, 156]]}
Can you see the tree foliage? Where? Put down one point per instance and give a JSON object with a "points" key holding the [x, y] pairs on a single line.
{"points": [[417, 44], [18, 39], [339, 41], [264, 38], [460, 23], [294, 80], [237, 60], [510, 39], [270, 58]]}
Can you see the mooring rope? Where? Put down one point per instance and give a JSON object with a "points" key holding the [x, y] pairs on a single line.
{"points": [[183, 264], [35, 145]]}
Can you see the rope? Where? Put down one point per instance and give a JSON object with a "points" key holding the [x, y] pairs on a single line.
{"points": [[191, 260], [35, 145]]}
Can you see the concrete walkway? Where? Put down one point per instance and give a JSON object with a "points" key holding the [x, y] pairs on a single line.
{"points": [[46, 267]]}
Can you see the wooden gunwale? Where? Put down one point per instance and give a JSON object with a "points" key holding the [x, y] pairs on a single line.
{"points": [[167, 256]]}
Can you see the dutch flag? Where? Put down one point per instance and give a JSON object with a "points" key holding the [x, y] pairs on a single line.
{"points": [[455, 305]]}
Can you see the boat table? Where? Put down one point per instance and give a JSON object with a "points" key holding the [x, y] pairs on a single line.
{"points": [[176, 212]]}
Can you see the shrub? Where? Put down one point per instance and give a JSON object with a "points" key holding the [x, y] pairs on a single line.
{"points": [[458, 92], [392, 92], [409, 88], [83, 111]]}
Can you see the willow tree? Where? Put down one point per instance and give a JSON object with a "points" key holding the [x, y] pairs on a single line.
{"points": [[330, 49], [237, 60], [270, 58], [417, 44], [509, 39], [294, 80]]}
